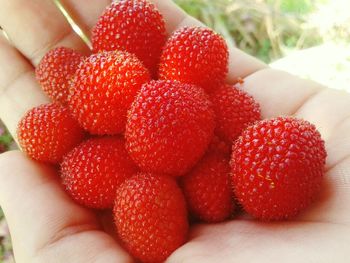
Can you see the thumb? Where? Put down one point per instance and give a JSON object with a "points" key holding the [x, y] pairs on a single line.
{"points": [[46, 226]]}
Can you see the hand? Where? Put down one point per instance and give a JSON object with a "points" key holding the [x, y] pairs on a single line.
{"points": [[46, 226]]}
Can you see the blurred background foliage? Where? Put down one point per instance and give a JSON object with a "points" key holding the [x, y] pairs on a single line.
{"points": [[269, 29]]}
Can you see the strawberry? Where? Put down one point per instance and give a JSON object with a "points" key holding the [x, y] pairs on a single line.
{"points": [[92, 171], [150, 216], [56, 70], [235, 110], [135, 26], [208, 190], [48, 132], [278, 167], [195, 55], [103, 89], [170, 125]]}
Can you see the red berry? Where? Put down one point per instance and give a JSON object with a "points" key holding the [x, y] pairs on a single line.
{"points": [[92, 171], [195, 55], [48, 132], [151, 216], [103, 89], [55, 72], [277, 167], [235, 110], [170, 125], [219, 146], [135, 26], [208, 190]]}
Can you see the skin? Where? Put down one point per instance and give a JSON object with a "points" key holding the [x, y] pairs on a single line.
{"points": [[46, 226]]}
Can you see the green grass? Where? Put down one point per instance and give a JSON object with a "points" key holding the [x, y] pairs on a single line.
{"points": [[296, 6], [5, 138], [262, 28]]}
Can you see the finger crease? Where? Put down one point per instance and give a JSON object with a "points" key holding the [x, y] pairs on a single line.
{"points": [[307, 99], [68, 231], [39, 53], [10, 83], [347, 156]]}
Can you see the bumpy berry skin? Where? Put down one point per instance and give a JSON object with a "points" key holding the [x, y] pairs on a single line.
{"points": [[150, 216], [278, 167], [208, 189], [170, 125], [135, 26], [48, 132], [56, 70], [219, 146], [235, 110], [103, 89], [93, 170], [195, 55]]}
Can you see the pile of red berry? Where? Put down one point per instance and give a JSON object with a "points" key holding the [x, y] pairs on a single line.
{"points": [[146, 126]]}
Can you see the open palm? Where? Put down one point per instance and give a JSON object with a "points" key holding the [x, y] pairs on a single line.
{"points": [[46, 226]]}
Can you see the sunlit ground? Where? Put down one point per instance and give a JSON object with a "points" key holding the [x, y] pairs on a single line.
{"points": [[328, 63]]}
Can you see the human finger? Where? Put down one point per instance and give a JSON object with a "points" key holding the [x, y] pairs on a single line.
{"points": [[45, 224]]}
